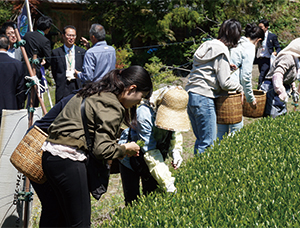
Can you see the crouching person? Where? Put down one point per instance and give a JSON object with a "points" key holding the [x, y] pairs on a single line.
{"points": [[280, 80], [159, 123]]}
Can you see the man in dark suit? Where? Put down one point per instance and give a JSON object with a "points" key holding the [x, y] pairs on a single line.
{"points": [[270, 45], [36, 42], [12, 86], [64, 61]]}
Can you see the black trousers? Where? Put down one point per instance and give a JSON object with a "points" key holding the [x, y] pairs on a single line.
{"points": [[68, 180], [263, 67], [131, 184], [51, 214]]}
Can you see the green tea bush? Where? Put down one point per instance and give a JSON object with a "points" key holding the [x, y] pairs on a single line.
{"points": [[249, 179]]}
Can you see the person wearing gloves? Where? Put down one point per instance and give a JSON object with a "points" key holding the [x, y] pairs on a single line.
{"points": [[209, 79], [280, 81], [109, 103], [242, 57], [159, 123]]}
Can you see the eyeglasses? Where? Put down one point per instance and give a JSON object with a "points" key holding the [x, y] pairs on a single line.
{"points": [[70, 36]]}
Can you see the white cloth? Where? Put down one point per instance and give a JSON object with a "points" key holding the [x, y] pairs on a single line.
{"points": [[64, 151], [158, 169], [177, 159], [37, 82]]}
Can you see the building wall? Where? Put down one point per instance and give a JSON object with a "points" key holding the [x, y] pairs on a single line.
{"points": [[70, 14]]}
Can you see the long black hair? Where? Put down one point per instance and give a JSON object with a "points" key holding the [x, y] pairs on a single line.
{"points": [[230, 32], [116, 81]]}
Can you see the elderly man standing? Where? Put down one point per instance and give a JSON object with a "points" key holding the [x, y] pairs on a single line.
{"points": [[99, 59], [64, 61], [12, 86], [8, 30]]}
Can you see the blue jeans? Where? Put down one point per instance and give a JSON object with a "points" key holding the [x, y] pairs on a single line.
{"points": [[202, 113], [274, 106], [228, 128]]}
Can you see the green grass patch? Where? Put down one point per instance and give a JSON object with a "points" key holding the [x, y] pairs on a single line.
{"points": [[249, 179]]}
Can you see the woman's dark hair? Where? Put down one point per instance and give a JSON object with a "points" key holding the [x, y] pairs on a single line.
{"points": [[116, 81], [254, 32], [6, 25], [230, 32]]}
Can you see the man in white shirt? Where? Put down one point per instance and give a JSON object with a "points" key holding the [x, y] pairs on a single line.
{"points": [[270, 45]]}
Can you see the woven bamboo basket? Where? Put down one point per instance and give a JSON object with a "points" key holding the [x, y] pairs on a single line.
{"points": [[229, 109], [27, 157], [261, 98]]}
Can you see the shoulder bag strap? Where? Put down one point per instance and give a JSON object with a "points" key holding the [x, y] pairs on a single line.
{"points": [[85, 126]]}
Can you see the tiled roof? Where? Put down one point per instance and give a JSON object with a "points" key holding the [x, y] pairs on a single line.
{"points": [[67, 1]]}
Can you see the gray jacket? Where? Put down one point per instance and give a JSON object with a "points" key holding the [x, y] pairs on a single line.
{"points": [[210, 75], [286, 65]]}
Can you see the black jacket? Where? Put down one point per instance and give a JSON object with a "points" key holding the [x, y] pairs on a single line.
{"points": [[12, 86], [272, 43], [58, 69], [36, 40]]}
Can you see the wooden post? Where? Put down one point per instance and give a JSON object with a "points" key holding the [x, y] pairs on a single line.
{"points": [[35, 88], [31, 73]]}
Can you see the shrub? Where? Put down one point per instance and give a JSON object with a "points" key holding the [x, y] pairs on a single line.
{"points": [[249, 179], [160, 74], [57, 44], [123, 56]]}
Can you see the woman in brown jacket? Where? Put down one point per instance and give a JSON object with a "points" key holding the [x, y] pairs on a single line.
{"points": [[108, 103]]}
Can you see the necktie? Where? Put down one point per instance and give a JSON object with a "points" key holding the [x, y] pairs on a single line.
{"points": [[70, 60]]}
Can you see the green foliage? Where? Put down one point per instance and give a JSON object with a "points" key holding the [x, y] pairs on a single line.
{"points": [[248, 180], [160, 74], [141, 143], [57, 44], [123, 56], [6, 11]]}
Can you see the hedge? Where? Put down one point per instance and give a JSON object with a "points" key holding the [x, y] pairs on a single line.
{"points": [[249, 179]]}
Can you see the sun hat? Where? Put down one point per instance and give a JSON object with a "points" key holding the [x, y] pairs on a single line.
{"points": [[172, 112]]}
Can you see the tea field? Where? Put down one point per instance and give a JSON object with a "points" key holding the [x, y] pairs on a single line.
{"points": [[249, 179]]}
